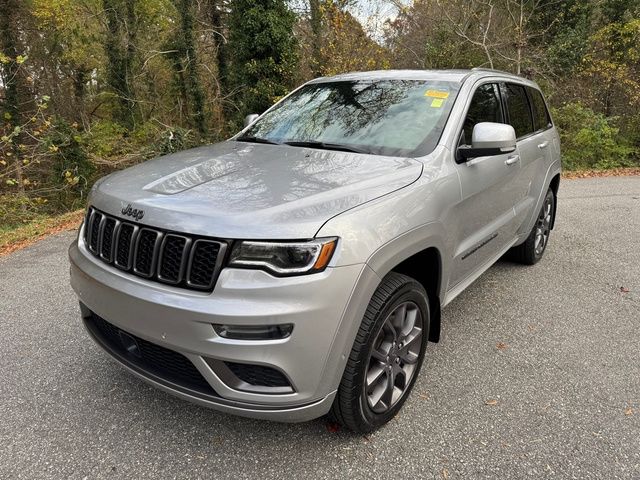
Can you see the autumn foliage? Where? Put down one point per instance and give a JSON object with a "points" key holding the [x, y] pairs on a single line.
{"points": [[89, 86]]}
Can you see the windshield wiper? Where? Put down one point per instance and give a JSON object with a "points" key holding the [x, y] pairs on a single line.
{"points": [[249, 138], [326, 146]]}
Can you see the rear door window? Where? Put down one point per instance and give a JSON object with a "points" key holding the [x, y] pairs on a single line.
{"points": [[541, 116], [519, 111], [485, 107]]}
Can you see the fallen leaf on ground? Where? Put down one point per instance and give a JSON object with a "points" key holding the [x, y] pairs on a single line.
{"points": [[424, 396], [613, 172], [445, 473], [491, 402], [333, 427], [501, 346], [628, 411]]}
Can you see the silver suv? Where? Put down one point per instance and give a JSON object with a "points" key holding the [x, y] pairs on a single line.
{"points": [[300, 267]]}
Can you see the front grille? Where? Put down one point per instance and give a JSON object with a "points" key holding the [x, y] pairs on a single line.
{"points": [[202, 263], [107, 239], [146, 249], [182, 260], [174, 258], [149, 357], [258, 375]]}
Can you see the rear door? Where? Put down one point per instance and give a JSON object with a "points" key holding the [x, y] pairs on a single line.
{"points": [[546, 142], [486, 213], [531, 148]]}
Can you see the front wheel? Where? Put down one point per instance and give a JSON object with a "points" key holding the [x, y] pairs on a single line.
{"points": [[531, 251], [386, 355]]}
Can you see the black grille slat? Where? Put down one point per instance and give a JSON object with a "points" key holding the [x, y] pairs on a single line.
{"points": [[258, 375], [95, 231], [145, 252], [87, 219], [173, 258], [107, 239], [160, 361], [123, 247], [204, 256]]}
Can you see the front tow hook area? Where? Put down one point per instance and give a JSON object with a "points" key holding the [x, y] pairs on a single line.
{"points": [[130, 345]]}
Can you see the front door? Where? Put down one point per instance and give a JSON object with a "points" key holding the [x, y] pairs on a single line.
{"points": [[486, 218]]}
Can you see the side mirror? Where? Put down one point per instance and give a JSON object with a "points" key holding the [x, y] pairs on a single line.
{"points": [[249, 119], [489, 139]]}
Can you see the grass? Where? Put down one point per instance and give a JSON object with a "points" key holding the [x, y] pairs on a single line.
{"points": [[15, 237]]}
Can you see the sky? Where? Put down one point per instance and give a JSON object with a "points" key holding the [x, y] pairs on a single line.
{"points": [[372, 14]]}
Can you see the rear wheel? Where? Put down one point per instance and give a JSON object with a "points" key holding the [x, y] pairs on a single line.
{"points": [[386, 355], [531, 251]]}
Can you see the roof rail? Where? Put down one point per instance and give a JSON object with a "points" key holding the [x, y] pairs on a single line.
{"points": [[494, 70]]}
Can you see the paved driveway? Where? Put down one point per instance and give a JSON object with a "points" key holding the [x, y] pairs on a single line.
{"points": [[537, 375]]}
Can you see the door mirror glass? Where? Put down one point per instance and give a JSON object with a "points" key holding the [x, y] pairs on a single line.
{"points": [[489, 139], [249, 119]]}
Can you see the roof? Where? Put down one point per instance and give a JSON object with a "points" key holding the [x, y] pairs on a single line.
{"points": [[458, 76]]}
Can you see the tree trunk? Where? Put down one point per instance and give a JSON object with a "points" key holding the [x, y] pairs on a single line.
{"points": [[17, 95], [188, 67], [316, 29], [120, 58]]}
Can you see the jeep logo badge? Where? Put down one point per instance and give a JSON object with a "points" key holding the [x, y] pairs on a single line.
{"points": [[133, 212]]}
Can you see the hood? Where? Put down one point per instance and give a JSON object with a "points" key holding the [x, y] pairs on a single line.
{"points": [[248, 190]]}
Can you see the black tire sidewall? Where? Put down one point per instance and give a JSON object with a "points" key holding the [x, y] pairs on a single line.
{"points": [[410, 291], [533, 232]]}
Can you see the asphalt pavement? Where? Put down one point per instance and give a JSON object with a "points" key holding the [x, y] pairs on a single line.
{"points": [[537, 375]]}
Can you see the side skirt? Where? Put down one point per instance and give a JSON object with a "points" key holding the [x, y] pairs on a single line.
{"points": [[457, 289]]}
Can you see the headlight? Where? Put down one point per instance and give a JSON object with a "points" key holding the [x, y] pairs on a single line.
{"points": [[284, 258]]}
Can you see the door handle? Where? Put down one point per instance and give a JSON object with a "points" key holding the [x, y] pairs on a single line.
{"points": [[543, 145], [512, 159]]}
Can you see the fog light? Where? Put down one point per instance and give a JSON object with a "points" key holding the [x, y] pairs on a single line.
{"points": [[254, 332]]}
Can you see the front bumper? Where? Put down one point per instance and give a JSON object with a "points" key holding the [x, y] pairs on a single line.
{"points": [[325, 310]]}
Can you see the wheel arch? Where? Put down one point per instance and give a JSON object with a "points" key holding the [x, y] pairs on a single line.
{"points": [[425, 267], [554, 185], [422, 255]]}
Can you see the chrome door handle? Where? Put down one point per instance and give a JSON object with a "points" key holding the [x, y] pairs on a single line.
{"points": [[511, 160], [543, 145]]}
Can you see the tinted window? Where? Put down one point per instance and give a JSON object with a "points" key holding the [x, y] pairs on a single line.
{"points": [[386, 117], [518, 107], [540, 113], [485, 107]]}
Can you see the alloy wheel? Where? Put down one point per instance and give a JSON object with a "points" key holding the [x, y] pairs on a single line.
{"points": [[394, 357], [543, 225]]}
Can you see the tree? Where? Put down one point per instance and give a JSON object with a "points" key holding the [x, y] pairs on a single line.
{"points": [[18, 99], [185, 64], [262, 53], [122, 27]]}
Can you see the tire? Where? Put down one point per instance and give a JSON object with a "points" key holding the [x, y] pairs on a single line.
{"points": [[396, 322], [532, 250]]}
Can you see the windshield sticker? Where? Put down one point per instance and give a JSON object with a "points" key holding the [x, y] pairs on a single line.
{"points": [[436, 94], [437, 102]]}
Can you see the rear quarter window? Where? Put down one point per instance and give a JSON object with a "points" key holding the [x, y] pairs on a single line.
{"points": [[541, 117]]}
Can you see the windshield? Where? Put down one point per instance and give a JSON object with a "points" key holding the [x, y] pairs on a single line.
{"points": [[387, 117]]}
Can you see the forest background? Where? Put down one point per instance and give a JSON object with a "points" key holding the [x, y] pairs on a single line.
{"points": [[91, 86]]}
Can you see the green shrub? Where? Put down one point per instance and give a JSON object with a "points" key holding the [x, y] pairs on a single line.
{"points": [[17, 209], [70, 171], [105, 139], [590, 140]]}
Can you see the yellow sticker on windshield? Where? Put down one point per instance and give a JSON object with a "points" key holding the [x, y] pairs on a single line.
{"points": [[437, 102], [436, 94]]}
